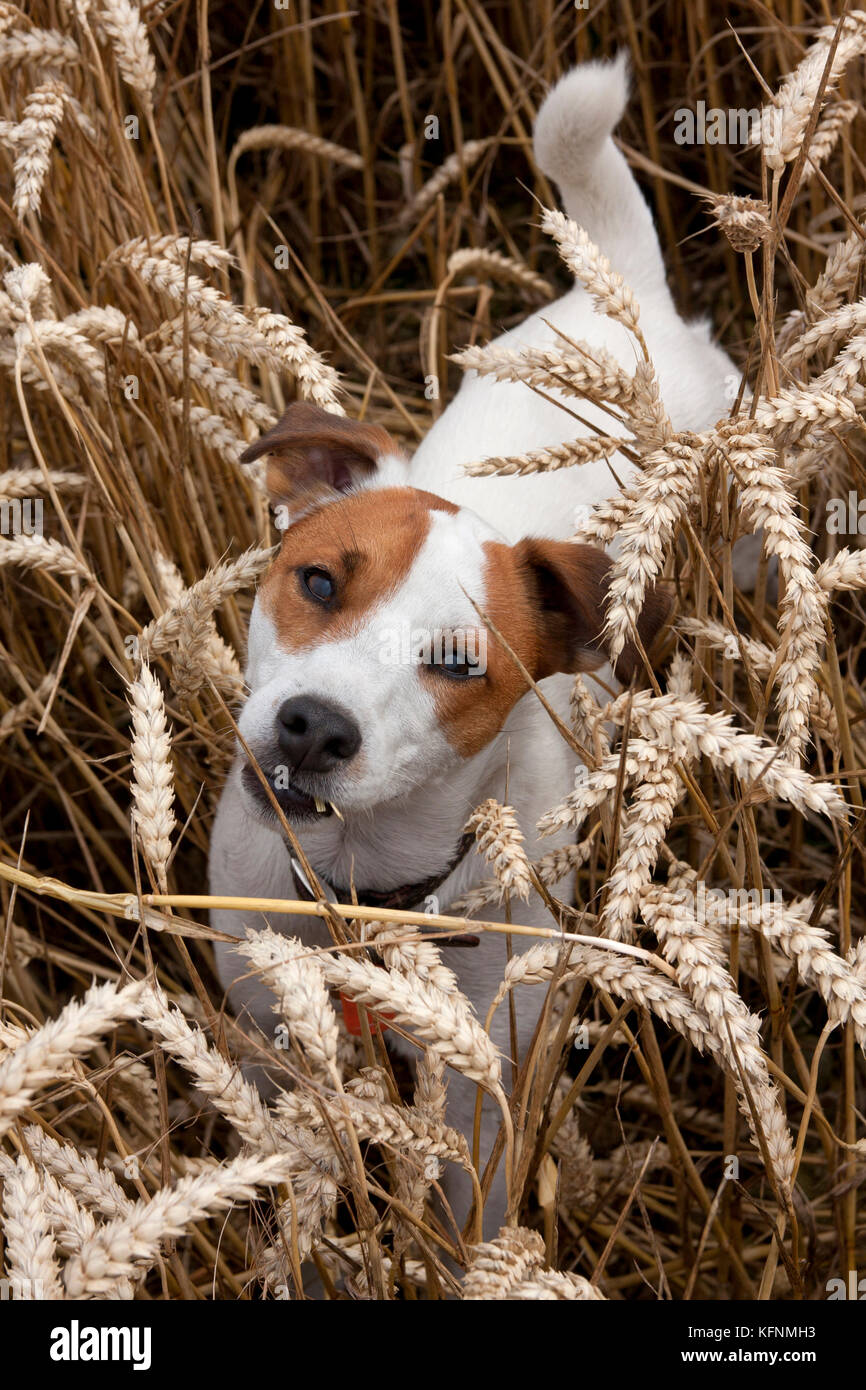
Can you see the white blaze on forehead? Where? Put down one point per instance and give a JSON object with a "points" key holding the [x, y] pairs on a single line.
{"points": [[447, 573]]}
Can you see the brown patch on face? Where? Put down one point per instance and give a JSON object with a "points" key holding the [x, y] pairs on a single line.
{"points": [[366, 543], [473, 711], [547, 599]]}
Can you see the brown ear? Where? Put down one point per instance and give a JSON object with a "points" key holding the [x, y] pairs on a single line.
{"points": [[313, 452], [567, 586]]}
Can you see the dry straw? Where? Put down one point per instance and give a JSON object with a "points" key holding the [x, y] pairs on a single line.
{"points": [[138, 358]]}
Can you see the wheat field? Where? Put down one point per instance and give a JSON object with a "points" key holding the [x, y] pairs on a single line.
{"points": [[208, 211]]}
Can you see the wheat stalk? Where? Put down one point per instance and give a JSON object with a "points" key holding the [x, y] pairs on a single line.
{"points": [[202, 599], [19, 482], [762, 658], [594, 271], [94, 1187], [121, 23], [283, 137], [45, 47], [671, 916], [769, 505], [33, 140], [303, 1002], [686, 729], [214, 656], [846, 570], [660, 498], [289, 350], [645, 825], [744, 221], [405, 949], [233, 1096], [402, 1128], [789, 926], [593, 372], [511, 1268], [472, 260], [568, 455], [834, 122]]}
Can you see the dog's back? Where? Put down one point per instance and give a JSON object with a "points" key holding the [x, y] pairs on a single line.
{"points": [[573, 146]]}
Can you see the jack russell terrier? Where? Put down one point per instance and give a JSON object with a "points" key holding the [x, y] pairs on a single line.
{"points": [[380, 550]]}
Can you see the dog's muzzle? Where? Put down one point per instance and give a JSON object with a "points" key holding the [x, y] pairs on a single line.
{"points": [[312, 740], [314, 735]]}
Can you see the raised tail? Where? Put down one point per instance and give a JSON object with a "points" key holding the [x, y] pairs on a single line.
{"points": [[573, 147]]}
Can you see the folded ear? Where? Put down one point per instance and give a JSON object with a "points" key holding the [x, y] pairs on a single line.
{"points": [[313, 453], [567, 586]]}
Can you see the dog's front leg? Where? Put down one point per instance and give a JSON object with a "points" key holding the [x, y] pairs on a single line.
{"points": [[250, 860], [457, 1186], [479, 980]]}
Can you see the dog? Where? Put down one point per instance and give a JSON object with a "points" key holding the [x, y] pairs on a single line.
{"points": [[380, 550]]}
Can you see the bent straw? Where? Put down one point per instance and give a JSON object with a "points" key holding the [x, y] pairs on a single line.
{"points": [[126, 905]]}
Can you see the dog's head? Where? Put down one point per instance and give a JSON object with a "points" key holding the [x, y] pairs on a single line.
{"points": [[370, 663]]}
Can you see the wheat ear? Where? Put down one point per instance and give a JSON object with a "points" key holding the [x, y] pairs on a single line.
{"points": [[500, 841], [448, 171], [31, 1264], [47, 1051], [671, 916], [442, 1020], [152, 772], [123, 1247]]}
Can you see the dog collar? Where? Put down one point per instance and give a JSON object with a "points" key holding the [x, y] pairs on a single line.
{"points": [[398, 899]]}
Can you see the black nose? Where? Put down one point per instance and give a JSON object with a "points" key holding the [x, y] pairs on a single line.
{"points": [[314, 735]]}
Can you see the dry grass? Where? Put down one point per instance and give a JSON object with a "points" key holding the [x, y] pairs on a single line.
{"points": [[199, 227]]}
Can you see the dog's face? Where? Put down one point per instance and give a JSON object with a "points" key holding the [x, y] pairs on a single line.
{"points": [[379, 641]]}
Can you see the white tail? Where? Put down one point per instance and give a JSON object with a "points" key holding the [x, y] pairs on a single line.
{"points": [[573, 147]]}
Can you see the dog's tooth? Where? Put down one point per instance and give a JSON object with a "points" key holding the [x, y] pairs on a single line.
{"points": [[336, 810], [320, 806]]}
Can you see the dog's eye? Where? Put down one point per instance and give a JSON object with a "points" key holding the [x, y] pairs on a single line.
{"points": [[318, 583], [455, 667]]}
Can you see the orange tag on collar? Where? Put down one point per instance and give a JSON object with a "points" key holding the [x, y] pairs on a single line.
{"points": [[352, 1018]]}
